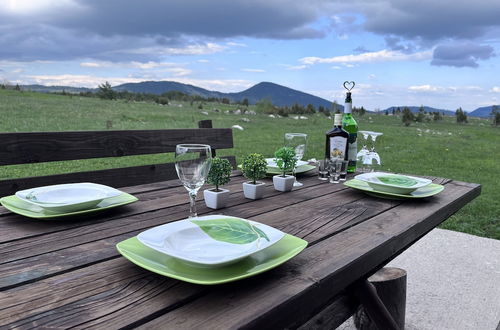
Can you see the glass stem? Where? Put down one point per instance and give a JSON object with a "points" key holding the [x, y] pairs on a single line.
{"points": [[192, 204]]}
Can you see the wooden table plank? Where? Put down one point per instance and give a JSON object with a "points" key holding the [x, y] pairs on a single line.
{"points": [[55, 252], [82, 282], [324, 270]]}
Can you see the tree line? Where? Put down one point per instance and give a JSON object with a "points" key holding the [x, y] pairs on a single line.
{"points": [[105, 91]]}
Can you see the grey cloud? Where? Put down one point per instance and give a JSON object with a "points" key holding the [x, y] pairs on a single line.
{"points": [[430, 19], [461, 55], [397, 43], [361, 50], [221, 18], [107, 30]]}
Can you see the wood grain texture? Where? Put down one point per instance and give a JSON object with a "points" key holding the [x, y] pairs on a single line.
{"points": [[25, 148], [36, 147], [116, 177], [68, 273]]}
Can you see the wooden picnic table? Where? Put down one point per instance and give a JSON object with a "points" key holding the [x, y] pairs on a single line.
{"points": [[68, 273]]}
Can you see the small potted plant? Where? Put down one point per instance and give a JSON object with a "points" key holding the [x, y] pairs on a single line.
{"points": [[285, 159], [254, 167], [219, 175]]}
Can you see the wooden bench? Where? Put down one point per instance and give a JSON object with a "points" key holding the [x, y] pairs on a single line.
{"points": [[38, 147]]}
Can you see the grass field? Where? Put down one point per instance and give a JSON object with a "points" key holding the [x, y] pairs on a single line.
{"points": [[461, 152]]}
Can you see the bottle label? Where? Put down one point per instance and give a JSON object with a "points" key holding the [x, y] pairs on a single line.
{"points": [[347, 107], [337, 147]]}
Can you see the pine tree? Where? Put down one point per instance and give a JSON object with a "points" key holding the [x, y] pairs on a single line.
{"points": [[461, 116]]}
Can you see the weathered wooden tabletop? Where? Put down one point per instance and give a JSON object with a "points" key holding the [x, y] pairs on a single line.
{"points": [[67, 273]]}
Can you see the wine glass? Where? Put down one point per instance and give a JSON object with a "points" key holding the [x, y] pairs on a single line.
{"points": [[362, 155], [298, 142], [192, 163], [372, 158]]}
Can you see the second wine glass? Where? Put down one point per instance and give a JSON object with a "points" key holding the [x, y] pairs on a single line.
{"points": [[192, 163], [297, 141]]}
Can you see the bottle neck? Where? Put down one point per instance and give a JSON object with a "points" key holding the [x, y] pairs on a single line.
{"points": [[337, 120], [348, 103]]}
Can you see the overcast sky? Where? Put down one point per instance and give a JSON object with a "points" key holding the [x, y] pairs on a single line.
{"points": [[440, 53]]}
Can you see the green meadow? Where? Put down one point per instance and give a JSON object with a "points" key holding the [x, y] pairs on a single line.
{"points": [[467, 152]]}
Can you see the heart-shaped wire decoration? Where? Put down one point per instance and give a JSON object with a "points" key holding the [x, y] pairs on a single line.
{"points": [[349, 85]]}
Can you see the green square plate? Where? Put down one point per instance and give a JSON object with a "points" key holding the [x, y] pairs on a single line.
{"points": [[160, 263], [427, 191], [17, 205], [298, 170]]}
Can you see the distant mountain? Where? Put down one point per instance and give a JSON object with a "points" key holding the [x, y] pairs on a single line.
{"points": [[277, 94], [160, 87], [57, 89], [483, 111], [280, 96], [416, 109]]}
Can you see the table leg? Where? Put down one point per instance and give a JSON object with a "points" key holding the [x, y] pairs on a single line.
{"points": [[374, 307]]}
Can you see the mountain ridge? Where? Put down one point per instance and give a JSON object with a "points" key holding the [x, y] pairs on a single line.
{"points": [[279, 95]]}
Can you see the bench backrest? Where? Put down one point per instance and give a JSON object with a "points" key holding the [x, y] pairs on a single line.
{"points": [[37, 147]]}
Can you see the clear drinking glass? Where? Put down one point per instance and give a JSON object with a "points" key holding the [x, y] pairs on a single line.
{"points": [[323, 169], [298, 141], [192, 163], [343, 169], [334, 168]]}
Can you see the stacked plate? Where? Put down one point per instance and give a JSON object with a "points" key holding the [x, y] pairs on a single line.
{"points": [[65, 199], [301, 167], [211, 249], [390, 185]]}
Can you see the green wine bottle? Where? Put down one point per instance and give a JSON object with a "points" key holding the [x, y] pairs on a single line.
{"points": [[350, 125]]}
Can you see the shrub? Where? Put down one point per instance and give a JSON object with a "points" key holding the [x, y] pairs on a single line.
{"points": [[408, 116], [220, 172], [254, 167], [461, 116], [285, 159]]}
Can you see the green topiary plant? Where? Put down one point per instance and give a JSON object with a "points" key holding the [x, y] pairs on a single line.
{"points": [[254, 167], [220, 172], [285, 159]]}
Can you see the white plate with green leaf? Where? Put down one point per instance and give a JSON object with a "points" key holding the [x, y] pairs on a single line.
{"points": [[393, 183], [210, 241]]}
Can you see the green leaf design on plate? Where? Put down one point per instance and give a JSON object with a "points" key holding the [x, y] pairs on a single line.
{"points": [[397, 180], [231, 230]]}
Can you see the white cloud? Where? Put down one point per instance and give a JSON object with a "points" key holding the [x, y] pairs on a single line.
{"points": [[370, 57], [199, 49], [296, 67], [495, 89], [79, 80], [253, 70], [91, 65], [30, 7], [442, 89], [203, 61], [236, 44], [425, 88]]}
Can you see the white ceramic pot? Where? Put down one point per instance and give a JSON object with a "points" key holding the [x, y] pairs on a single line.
{"points": [[253, 191], [216, 199], [283, 183]]}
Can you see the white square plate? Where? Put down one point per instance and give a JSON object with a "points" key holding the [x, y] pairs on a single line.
{"points": [[210, 241], [272, 163], [393, 183], [69, 197]]}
